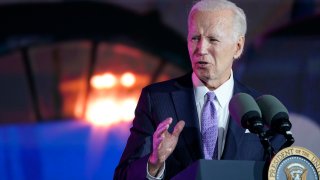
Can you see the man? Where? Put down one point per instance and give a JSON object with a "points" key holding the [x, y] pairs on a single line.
{"points": [[169, 130]]}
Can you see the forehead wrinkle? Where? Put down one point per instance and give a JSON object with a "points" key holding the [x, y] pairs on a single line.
{"points": [[216, 26]]}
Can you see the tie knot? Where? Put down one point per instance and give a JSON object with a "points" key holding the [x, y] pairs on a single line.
{"points": [[210, 96]]}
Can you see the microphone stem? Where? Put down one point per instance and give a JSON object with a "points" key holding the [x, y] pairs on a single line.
{"points": [[289, 140], [268, 149]]}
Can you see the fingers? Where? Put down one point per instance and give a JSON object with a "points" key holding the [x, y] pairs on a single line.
{"points": [[163, 126], [166, 122], [164, 142], [161, 129], [178, 128]]}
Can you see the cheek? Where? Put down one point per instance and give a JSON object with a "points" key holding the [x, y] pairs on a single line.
{"points": [[227, 52], [191, 48], [190, 45]]}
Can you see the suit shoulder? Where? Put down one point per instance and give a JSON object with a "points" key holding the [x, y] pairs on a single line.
{"points": [[240, 87], [168, 85]]}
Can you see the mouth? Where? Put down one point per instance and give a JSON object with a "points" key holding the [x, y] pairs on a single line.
{"points": [[202, 64]]}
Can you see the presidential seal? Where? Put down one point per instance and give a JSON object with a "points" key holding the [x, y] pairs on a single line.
{"points": [[294, 163]]}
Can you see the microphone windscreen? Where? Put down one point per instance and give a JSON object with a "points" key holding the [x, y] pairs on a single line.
{"points": [[271, 108], [241, 105]]}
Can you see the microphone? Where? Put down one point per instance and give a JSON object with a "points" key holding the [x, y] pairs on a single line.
{"points": [[244, 109], [276, 116]]}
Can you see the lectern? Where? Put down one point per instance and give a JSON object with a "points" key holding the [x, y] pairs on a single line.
{"points": [[223, 170]]}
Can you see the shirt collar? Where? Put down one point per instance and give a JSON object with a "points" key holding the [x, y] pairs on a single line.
{"points": [[223, 93]]}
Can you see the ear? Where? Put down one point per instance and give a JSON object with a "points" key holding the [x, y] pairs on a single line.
{"points": [[239, 47]]}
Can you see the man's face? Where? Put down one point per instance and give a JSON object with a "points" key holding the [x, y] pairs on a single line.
{"points": [[212, 46]]}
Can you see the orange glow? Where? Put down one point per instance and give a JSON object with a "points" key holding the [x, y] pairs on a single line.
{"points": [[108, 111], [78, 111], [102, 112], [128, 106], [126, 50], [104, 81], [110, 102], [128, 79]]}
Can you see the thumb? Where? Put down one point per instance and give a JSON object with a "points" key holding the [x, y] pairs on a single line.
{"points": [[178, 128]]}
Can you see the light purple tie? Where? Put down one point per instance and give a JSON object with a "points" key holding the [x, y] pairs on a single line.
{"points": [[209, 127]]}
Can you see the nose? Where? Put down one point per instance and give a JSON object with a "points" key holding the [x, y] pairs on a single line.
{"points": [[202, 47]]}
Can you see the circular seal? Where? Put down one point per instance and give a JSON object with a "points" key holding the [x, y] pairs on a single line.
{"points": [[294, 163]]}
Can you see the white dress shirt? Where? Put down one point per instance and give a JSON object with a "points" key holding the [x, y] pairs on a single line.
{"points": [[223, 95], [221, 102]]}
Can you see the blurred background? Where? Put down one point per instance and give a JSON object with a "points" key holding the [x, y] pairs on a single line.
{"points": [[71, 73]]}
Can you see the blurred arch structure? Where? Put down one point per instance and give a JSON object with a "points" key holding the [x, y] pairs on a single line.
{"points": [[49, 52], [52, 59]]}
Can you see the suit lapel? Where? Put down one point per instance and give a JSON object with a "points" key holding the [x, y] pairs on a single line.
{"points": [[186, 110], [235, 131], [233, 139]]}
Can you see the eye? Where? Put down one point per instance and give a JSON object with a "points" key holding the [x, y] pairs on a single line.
{"points": [[213, 40], [195, 38]]}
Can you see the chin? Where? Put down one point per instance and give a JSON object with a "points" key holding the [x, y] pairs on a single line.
{"points": [[203, 75]]}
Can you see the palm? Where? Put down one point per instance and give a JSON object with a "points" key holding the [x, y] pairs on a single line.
{"points": [[167, 145], [163, 144]]}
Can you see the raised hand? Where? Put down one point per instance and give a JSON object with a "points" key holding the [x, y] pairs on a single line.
{"points": [[163, 144]]}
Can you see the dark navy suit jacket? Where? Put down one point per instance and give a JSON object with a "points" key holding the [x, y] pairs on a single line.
{"points": [[175, 98]]}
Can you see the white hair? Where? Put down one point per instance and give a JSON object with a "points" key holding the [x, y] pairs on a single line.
{"points": [[240, 22]]}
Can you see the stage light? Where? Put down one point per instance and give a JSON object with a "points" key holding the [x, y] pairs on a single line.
{"points": [[108, 111], [128, 79], [128, 106], [104, 81], [102, 112]]}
